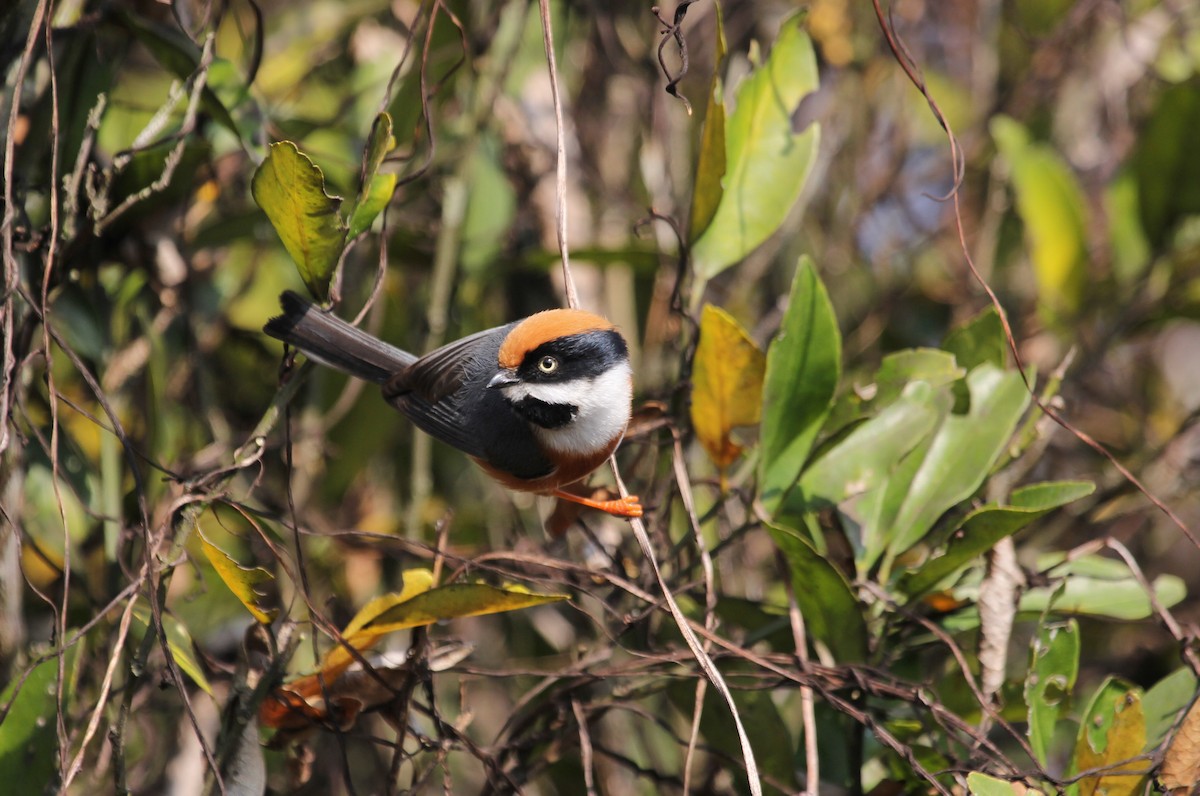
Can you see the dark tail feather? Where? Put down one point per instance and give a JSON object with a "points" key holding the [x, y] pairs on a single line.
{"points": [[328, 339]]}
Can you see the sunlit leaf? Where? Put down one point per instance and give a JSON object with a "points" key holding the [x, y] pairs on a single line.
{"points": [[831, 611], [179, 641], [727, 378], [767, 160], [710, 167], [1113, 730], [455, 601], [804, 365], [1052, 206], [861, 461], [959, 458], [290, 189], [1053, 667], [242, 581], [375, 189], [987, 525], [1118, 599], [983, 785], [929, 365], [416, 581]]}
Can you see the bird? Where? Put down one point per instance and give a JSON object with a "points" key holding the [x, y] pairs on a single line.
{"points": [[538, 403]]}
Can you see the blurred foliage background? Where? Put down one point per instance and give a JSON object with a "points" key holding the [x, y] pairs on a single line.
{"points": [[139, 271]]}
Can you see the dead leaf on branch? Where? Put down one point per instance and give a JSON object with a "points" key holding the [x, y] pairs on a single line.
{"points": [[727, 379], [1180, 773]]}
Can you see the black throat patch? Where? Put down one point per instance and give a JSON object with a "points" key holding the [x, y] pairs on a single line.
{"points": [[546, 415]]}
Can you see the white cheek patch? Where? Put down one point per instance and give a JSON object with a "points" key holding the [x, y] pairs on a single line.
{"points": [[603, 402]]}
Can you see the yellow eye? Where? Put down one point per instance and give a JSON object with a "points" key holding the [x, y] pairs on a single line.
{"points": [[547, 364]]}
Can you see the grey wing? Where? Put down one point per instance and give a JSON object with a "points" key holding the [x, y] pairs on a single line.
{"points": [[431, 390]]}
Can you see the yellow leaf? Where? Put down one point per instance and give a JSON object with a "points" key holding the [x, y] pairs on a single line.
{"points": [[727, 378], [458, 600], [242, 581], [416, 581], [1125, 739]]}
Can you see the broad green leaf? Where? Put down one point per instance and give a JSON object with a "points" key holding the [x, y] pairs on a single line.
{"points": [[831, 612], [960, 456], [1117, 599], [987, 525], [710, 167], [1168, 171], [178, 640], [455, 601], [767, 161], [1053, 209], [1113, 729], [804, 364], [1165, 700], [983, 785], [242, 581], [28, 752], [371, 204], [290, 189], [416, 581], [928, 365], [727, 384], [861, 461], [1053, 667], [979, 340], [374, 189]]}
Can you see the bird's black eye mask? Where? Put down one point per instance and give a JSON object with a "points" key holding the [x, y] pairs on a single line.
{"points": [[577, 356]]}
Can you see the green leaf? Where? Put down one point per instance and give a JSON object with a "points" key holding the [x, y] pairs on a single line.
{"points": [[987, 525], [710, 167], [1168, 171], [1165, 701], [290, 189], [727, 379], [863, 460], [180, 643], [1052, 207], [983, 785], [1118, 599], [457, 600], [242, 581], [979, 340], [804, 364], [1113, 729], [374, 189], [416, 581], [959, 458], [929, 365], [1053, 667], [767, 161], [831, 612], [28, 743]]}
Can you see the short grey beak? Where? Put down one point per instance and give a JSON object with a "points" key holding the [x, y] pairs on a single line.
{"points": [[503, 379]]}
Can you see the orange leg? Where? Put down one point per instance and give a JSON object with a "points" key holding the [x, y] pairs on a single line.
{"points": [[624, 507]]}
